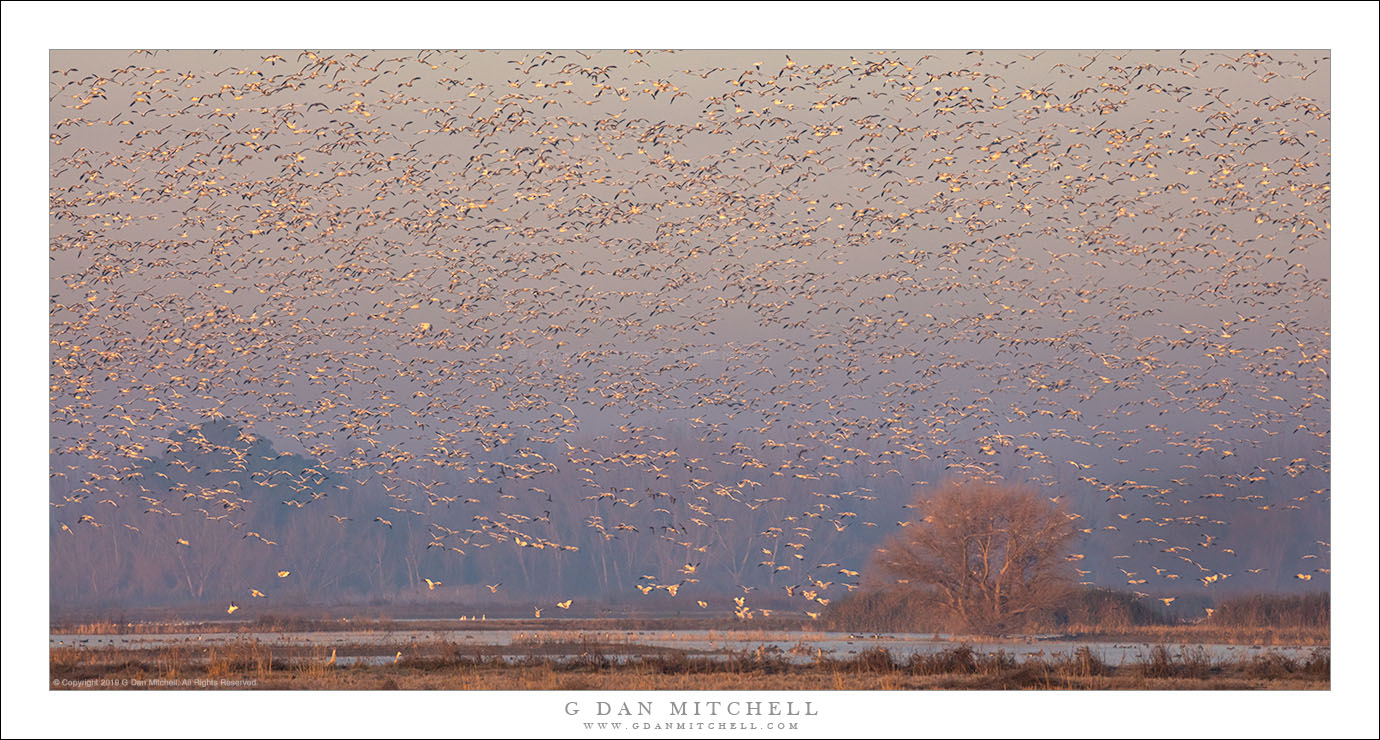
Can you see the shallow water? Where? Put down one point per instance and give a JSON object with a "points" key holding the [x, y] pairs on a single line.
{"points": [[795, 645]]}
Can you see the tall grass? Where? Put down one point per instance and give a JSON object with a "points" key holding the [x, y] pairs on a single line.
{"points": [[1259, 619], [884, 611], [1303, 612]]}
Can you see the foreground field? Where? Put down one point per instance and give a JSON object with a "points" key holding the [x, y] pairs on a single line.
{"points": [[447, 665]]}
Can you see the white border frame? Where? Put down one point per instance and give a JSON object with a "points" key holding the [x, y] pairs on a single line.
{"points": [[1348, 29]]}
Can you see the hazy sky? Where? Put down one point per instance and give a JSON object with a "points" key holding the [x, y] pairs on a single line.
{"points": [[529, 293]]}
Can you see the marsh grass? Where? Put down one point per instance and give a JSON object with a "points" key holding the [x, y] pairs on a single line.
{"points": [[1302, 613], [1102, 615], [162, 623], [1161, 662], [1091, 614]]}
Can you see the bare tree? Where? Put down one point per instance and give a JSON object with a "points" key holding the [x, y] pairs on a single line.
{"points": [[982, 553]]}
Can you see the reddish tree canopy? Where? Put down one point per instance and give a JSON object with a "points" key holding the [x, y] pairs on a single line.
{"points": [[983, 553]]}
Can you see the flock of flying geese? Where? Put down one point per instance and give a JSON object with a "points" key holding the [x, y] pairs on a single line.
{"points": [[678, 322]]}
